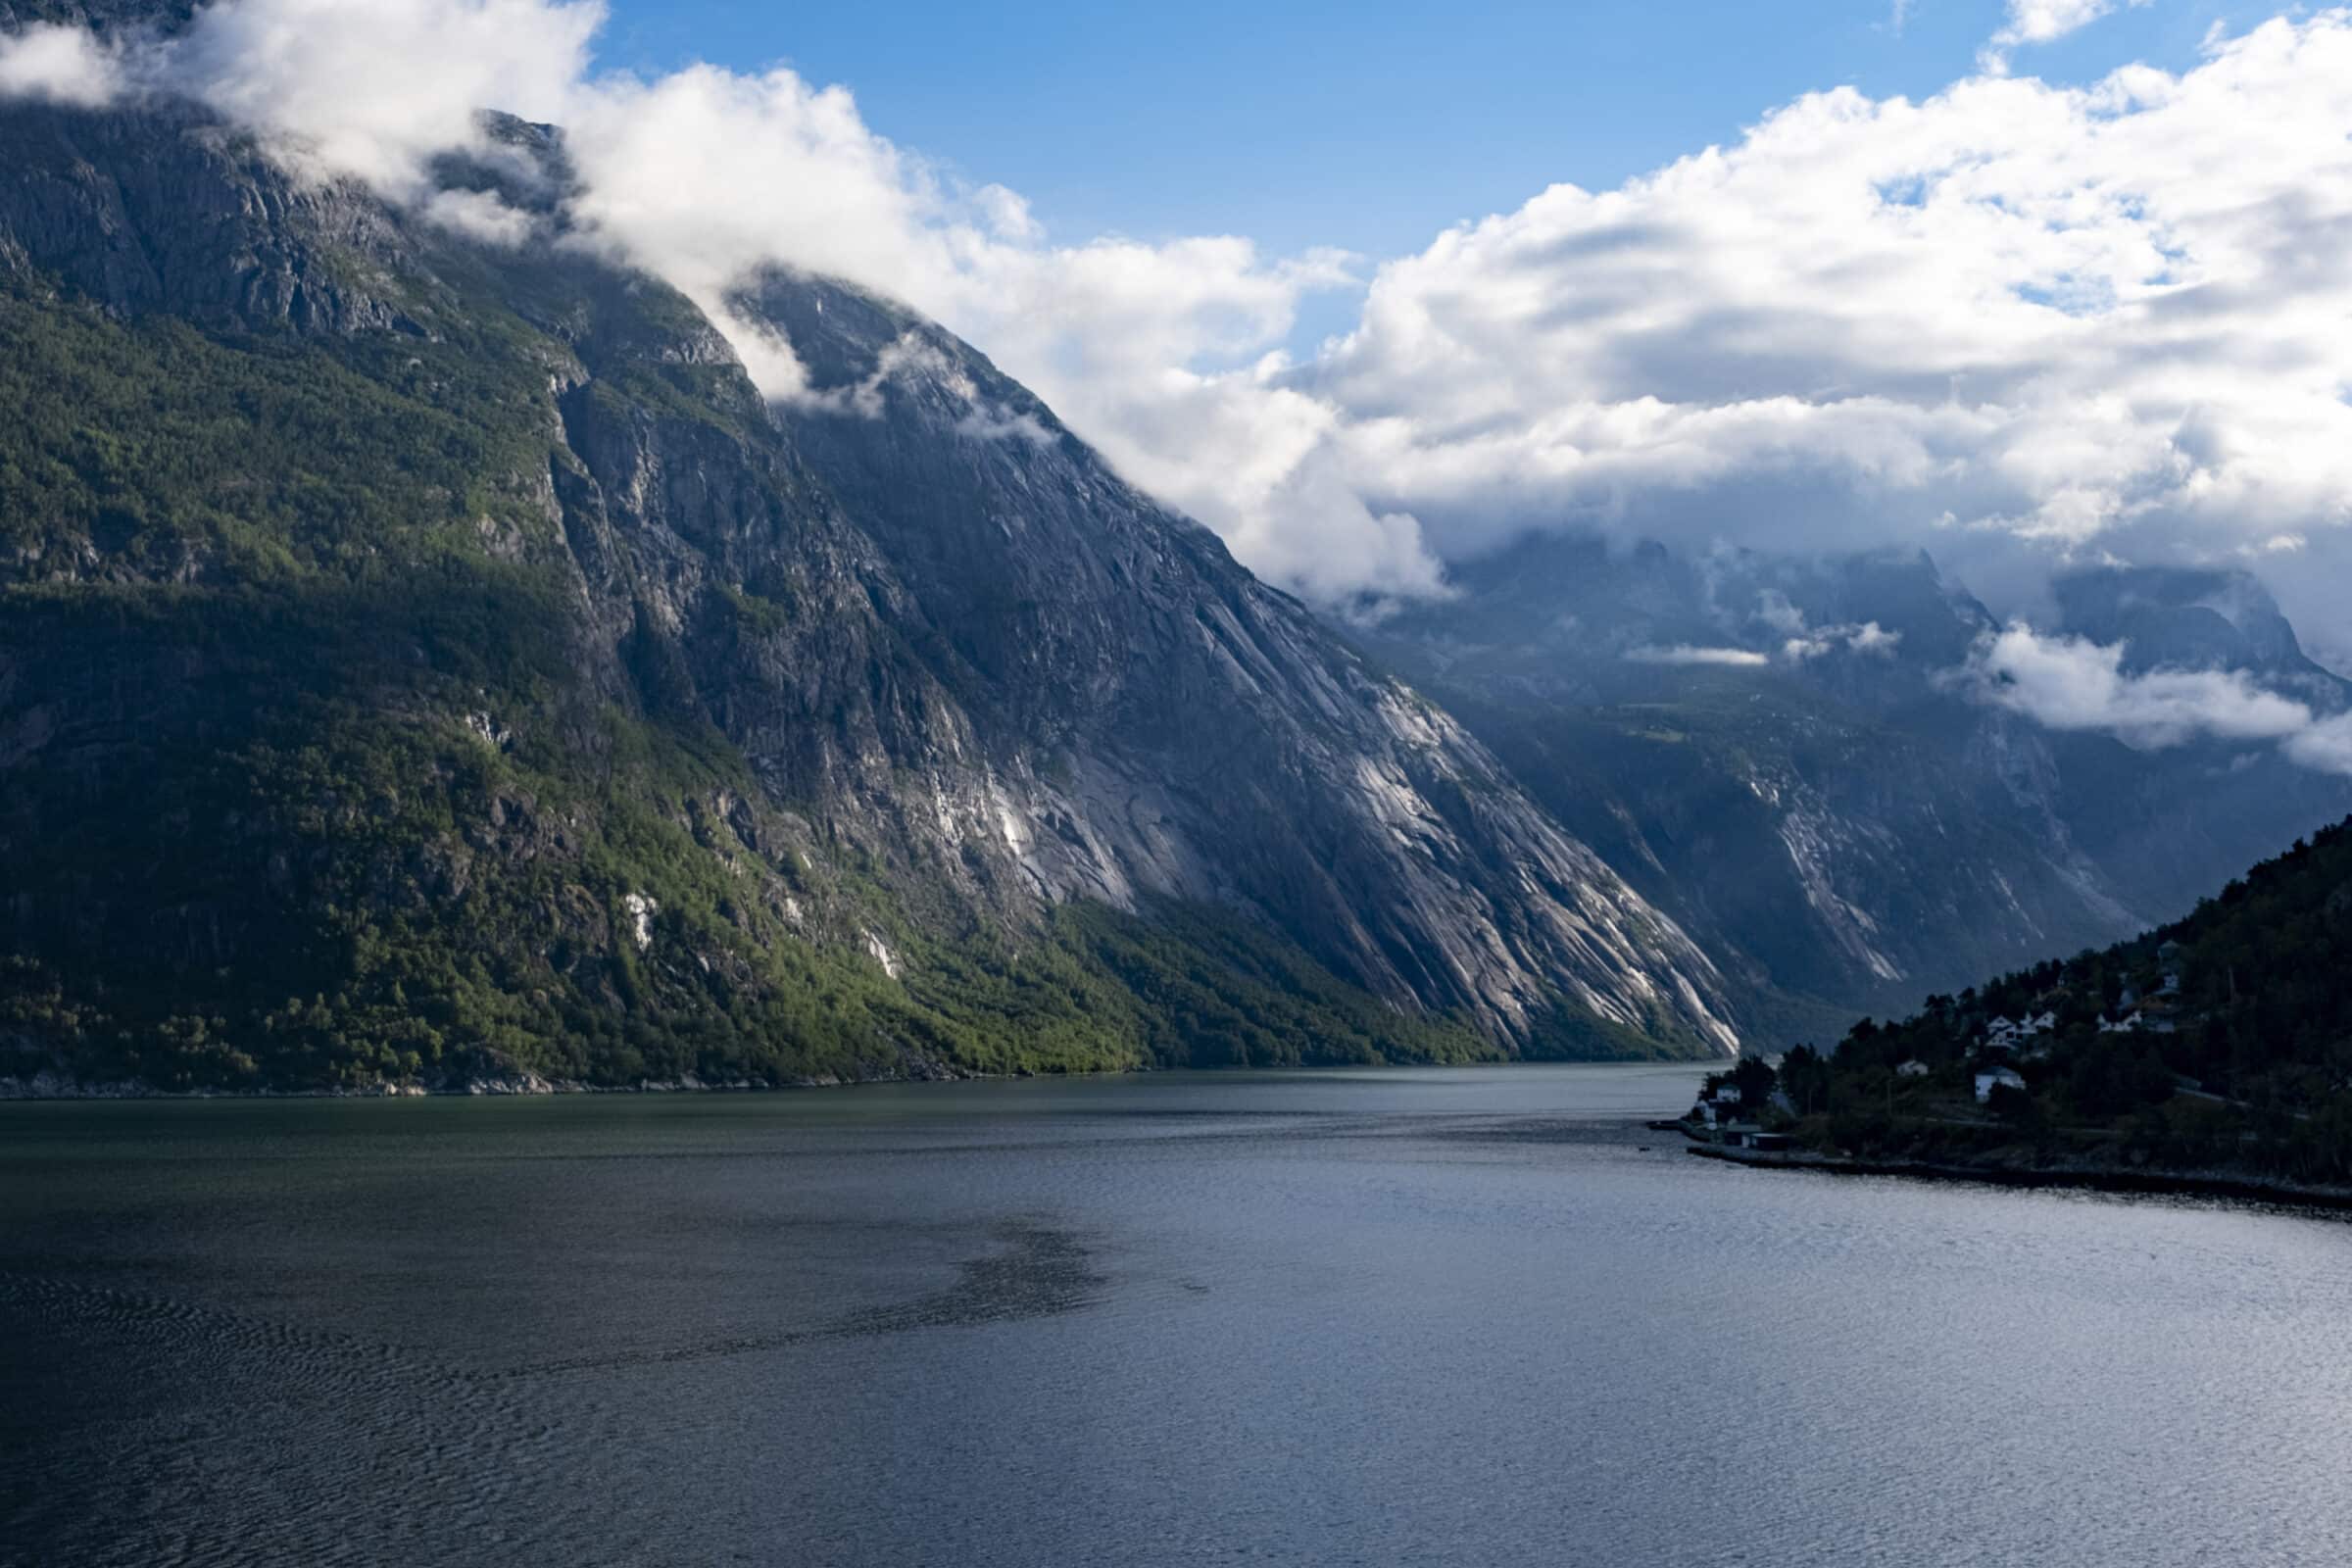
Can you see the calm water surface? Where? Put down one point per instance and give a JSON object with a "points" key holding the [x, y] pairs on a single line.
{"points": [[1376, 1317]]}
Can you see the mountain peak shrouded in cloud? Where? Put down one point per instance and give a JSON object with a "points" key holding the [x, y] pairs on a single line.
{"points": [[2163, 657], [2033, 326]]}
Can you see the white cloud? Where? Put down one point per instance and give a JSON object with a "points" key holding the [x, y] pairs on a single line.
{"points": [[1685, 653], [480, 215], [2113, 318], [2042, 22], [1801, 641], [58, 65], [2327, 746], [1869, 637], [374, 88], [1872, 638], [2071, 683]]}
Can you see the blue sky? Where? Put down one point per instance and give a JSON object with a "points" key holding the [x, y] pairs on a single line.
{"points": [[1367, 126]]}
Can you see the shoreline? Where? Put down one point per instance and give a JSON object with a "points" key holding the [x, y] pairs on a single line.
{"points": [[2223, 1185], [46, 1088], [55, 1088]]}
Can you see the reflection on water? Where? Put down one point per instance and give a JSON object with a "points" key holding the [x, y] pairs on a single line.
{"points": [[1442, 1316]]}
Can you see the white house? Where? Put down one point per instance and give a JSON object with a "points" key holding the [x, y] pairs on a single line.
{"points": [[2007, 1033], [1914, 1068], [2128, 1024], [1997, 1078]]}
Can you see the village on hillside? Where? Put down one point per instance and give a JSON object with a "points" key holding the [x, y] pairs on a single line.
{"points": [[2069, 1056]]}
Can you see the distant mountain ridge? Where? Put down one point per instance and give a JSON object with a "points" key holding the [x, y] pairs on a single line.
{"points": [[1775, 752], [423, 661]]}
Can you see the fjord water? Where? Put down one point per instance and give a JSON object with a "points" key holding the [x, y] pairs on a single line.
{"points": [[1359, 1317]]}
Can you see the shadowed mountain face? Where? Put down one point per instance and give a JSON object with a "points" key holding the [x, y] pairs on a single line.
{"points": [[424, 659], [1833, 815], [2182, 618]]}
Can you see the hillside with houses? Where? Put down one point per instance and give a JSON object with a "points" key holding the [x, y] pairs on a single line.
{"points": [[2220, 1044]]}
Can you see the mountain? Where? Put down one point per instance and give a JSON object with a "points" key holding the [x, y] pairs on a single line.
{"points": [[2170, 618], [424, 659], [1776, 752]]}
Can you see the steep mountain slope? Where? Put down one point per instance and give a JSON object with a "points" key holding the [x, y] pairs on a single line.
{"points": [[1217, 739], [423, 659], [1777, 752]]}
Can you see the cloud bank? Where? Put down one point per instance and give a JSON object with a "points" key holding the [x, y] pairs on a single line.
{"points": [[2021, 323], [2074, 323], [2071, 683]]}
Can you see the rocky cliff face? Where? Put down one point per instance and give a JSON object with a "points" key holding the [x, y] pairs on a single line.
{"points": [[415, 651], [1204, 736]]}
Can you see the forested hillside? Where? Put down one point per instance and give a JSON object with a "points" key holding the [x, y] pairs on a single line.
{"points": [[2221, 1042]]}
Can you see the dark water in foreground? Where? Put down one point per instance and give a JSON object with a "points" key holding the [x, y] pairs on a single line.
{"points": [[1420, 1317]]}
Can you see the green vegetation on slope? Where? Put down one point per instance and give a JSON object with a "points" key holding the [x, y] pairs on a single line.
{"points": [[162, 453]]}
